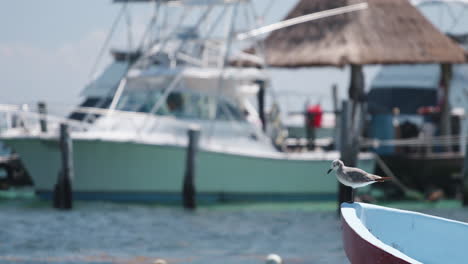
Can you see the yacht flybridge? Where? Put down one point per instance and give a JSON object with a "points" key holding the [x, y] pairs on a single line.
{"points": [[130, 133]]}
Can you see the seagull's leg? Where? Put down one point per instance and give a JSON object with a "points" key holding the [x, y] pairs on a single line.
{"points": [[352, 195]]}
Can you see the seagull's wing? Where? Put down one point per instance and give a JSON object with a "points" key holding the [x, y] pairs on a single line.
{"points": [[358, 175]]}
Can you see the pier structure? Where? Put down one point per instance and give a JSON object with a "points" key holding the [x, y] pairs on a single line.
{"points": [[387, 32]]}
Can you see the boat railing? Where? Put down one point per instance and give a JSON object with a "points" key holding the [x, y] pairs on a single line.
{"points": [[24, 118], [425, 144], [420, 141]]}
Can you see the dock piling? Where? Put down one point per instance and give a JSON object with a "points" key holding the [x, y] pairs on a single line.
{"points": [[42, 110], [261, 103], [63, 198], [465, 182], [188, 188], [349, 158], [336, 111]]}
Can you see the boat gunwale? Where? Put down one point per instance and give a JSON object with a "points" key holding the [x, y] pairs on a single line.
{"points": [[354, 229], [352, 223]]}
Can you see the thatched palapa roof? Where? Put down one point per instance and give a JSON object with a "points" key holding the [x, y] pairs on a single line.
{"points": [[388, 32]]}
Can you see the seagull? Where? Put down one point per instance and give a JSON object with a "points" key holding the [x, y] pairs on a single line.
{"points": [[354, 177]]}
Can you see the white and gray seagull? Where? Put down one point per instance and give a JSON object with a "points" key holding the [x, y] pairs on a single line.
{"points": [[354, 177]]}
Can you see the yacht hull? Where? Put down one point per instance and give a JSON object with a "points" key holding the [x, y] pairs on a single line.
{"points": [[129, 171]]}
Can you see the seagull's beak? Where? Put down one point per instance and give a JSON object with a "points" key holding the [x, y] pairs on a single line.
{"points": [[329, 170]]}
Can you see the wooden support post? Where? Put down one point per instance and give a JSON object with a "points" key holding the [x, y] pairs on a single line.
{"points": [[63, 198], [362, 126], [445, 109], [351, 128], [42, 109], [261, 102], [356, 91], [335, 97], [345, 193], [188, 188], [465, 182], [336, 111]]}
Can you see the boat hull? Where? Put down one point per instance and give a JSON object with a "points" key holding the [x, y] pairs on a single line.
{"points": [[129, 171], [360, 251], [377, 234]]}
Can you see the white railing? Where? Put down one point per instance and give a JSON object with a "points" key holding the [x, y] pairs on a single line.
{"points": [[21, 117], [453, 140]]}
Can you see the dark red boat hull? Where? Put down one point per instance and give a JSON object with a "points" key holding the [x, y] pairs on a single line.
{"points": [[360, 251]]}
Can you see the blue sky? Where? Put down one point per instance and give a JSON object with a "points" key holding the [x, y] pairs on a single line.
{"points": [[47, 49]]}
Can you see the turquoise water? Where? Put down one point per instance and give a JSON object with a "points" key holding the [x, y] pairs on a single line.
{"points": [[101, 232]]}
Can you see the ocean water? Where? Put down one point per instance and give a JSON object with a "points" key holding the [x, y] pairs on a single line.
{"points": [[100, 232]]}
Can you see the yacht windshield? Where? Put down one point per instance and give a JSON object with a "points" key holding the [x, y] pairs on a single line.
{"points": [[181, 104]]}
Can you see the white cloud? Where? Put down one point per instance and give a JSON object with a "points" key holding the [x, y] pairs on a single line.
{"points": [[29, 73]]}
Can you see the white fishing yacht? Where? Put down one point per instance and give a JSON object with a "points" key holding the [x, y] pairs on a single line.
{"points": [[130, 134]]}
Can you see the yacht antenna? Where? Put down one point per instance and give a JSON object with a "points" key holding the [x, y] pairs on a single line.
{"points": [[102, 100], [222, 62], [178, 78], [199, 22], [106, 42], [148, 53], [104, 47], [128, 20], [153, 22], [158, 104]]}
